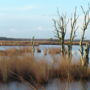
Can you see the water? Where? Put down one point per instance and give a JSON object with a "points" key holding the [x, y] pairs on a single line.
{"points": [[48, 57], [75, 52], [55, 84], [16, 86], [9, 47], [59, 85]]}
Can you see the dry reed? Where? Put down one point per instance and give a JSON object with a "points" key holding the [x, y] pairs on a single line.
{"points": [[35, 71]]}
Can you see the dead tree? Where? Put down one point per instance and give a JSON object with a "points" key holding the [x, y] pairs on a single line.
{"points": [[86, 55], [33, 46], [60, 28], [84, 28], [73, 23]]}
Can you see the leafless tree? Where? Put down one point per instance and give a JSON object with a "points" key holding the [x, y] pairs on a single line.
{"points": [[74, 27], [60, 28], [86, 22]]}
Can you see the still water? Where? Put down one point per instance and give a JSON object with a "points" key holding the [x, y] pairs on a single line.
{"points": [[48, 57], [52, 85], [55, 84]]}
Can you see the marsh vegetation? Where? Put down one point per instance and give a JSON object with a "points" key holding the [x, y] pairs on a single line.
{"points": [[40, 65]]}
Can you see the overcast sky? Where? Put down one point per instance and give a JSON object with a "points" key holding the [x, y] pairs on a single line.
{"points": [[28, 18]]}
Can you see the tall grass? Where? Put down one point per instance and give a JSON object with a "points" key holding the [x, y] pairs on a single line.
{"points": [[15, 51], [54, 51], [26, 67]]}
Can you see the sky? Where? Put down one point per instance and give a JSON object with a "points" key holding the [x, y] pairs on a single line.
{"points": [[28, 18]]}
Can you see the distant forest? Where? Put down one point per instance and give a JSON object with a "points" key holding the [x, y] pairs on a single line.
{"points": [[27, 39]]}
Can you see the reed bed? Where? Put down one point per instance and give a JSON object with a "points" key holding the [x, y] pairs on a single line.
{"points": [[27, 68], [54, 51], [16, 51], [36, 42]]}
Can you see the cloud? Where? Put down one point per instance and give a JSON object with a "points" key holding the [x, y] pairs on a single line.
{"points": [[12, 29], [40, 28], [25, 8], [22, 8]]}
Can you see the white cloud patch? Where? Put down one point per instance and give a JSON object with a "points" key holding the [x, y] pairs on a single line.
{"points": [[40, 28], [25, 8], [22, 8], [12, 30]]}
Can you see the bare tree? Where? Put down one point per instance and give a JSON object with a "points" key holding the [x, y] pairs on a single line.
{"points": [[84, 28], [73, 28], [60, 28], [33, 47], [86, 55]]}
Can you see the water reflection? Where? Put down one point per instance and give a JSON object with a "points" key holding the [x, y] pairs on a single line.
{"points": [[58, 85], [52, 85], [84, 85], [15, 86]]}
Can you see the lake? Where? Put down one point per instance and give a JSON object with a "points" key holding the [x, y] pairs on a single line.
{"points": [[52, 85]]}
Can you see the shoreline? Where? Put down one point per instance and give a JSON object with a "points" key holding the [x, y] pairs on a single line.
{"points": [[37, 43]]}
